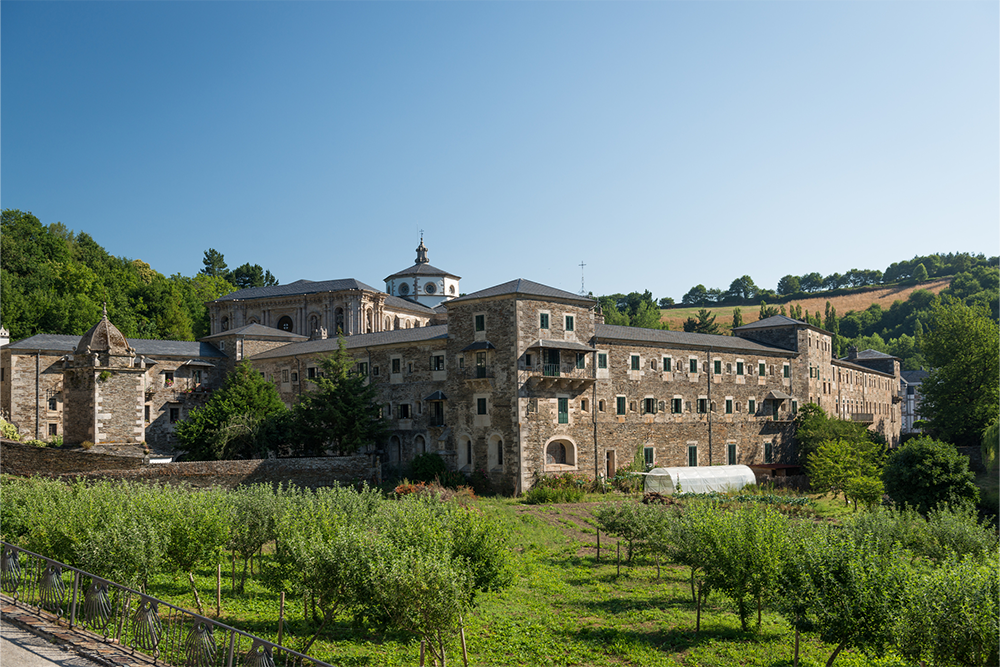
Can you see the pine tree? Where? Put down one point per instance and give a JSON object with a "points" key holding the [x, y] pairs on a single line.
{"points": [[737, 318]]}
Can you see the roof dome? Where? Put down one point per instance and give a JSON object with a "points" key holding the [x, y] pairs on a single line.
{"points": [[104, 337]]}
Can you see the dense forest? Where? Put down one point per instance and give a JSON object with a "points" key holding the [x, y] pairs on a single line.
{"points": [[56, 281]]}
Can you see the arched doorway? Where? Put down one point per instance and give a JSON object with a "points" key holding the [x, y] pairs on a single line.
{"points": [[285, 323], [560, 453]]}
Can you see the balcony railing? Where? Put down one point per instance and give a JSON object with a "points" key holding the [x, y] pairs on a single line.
{"points": [[550, 370], [478, 372], [127, 618]]}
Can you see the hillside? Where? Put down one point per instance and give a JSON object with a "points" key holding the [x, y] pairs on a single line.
{"points": [[856, 301]]}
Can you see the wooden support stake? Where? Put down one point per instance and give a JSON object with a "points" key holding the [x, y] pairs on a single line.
{"points": [[218, 590], [618, 545], [421, 653], [461, 631], [281, 618], [598, 546]]}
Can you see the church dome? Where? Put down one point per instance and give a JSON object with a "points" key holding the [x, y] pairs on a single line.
{"points": [[104, 337], [423, 283]]}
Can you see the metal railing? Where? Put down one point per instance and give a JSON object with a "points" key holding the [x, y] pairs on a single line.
{"points": [[132, 620]]}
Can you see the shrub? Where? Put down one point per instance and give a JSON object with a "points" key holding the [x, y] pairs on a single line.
{"points": [[9, 431], [425, 467], [565, 488], [36, 443], [481, 483], [865, 490], [86, 444], [452, 479], [925, 472]]}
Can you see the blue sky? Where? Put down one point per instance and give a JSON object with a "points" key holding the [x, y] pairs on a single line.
{"points": [[664, 144]]}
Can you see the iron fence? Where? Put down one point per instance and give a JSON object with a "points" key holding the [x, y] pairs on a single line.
{"points": [[130, 619]]}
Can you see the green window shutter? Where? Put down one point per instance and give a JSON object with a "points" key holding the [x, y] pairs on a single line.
{"points": [[563, 410], [739, 368], [569, 323], [581, 360], [693, 366], [752, 407], [768, 452], [761, 370], [543, 320], [693, 456], [480, 323], [648, 454], [666, 364], [602, 360], [732, 454], [635, 362], [729, 406], [718, 367], [621, 405], [481, 406]]}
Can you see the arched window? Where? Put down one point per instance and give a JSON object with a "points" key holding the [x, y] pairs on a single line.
{"points": [[560, 453], [225, 323], [419, 445], [465, 452], [285, 323], [313, 323], [338, 317], [368, 318], [387, 324], [396, 323], [495, 448], [395, 449]]}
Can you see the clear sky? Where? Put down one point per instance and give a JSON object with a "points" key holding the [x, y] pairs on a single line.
{"points": [[664, 144]]}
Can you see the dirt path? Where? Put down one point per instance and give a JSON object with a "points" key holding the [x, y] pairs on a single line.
{"points": [[575, 520]]}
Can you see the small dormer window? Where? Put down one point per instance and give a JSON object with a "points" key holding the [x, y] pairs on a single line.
{"points": [[451, 289], [404, 289], [430, 288]]}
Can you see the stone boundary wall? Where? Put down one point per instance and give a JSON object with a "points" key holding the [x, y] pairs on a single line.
{"points": [[26, 460]]}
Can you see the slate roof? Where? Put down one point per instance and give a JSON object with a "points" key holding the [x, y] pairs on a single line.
{"points": [[258, 331], [914, 377], [770, 322], [298, 287], [870, 354], [169, 348], [550, 344], [400, 303], [439, 332], [422, 270], [704, 341], [526, 287]]}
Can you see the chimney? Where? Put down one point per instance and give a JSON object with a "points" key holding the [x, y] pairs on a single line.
{"points": [[852, 353]]}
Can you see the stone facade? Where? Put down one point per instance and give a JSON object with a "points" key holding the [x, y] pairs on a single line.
{"points": [[517, 380]]}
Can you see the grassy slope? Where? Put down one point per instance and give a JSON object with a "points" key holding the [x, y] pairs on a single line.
{"points": [[884, 296], [565, 608]]}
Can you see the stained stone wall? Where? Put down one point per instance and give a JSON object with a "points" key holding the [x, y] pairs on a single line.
{"points": [[25, 394]]}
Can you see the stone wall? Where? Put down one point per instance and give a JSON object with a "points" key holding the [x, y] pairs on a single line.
{"points": [[18, 398], [25, 460]]}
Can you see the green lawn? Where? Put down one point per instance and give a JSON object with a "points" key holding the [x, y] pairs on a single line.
{"points": [[563, 609]]}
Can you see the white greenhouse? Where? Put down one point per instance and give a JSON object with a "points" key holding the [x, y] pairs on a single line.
{"points": [[698, 479]]}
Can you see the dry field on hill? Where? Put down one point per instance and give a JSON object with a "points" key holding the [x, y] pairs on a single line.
{"points": [[884, 296]]}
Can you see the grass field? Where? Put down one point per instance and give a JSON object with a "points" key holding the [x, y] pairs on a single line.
{"points": [[884, 296], [565, 608]]}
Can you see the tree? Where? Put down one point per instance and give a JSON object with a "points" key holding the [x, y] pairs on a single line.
{"points": [[848, 466], [811, 282], [789, 285], [666, 302], [843, 589], [241, 420], [960, 397], [342, 413], [696, 296], [991, 440], [766, 311], [648, 317], [813, 427], [737, 317], [704, 324], [215, 264], [920, 273], [742, 289], [924, 473], [251, 275]]}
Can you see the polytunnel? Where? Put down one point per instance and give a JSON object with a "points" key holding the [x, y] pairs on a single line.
{"points": [[698, 479]]}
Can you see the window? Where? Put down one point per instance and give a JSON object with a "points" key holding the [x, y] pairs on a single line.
{"points": [[581, 360], [409, 367], [396, 365], [635, 362], [731, 451], [718, 367], [499, 453], [752, 407], [196, 377], [649, 405], [146, 412], [739, 368], [295, 377], [53, 429], [692, 365], [761, 369], [437, 414], [729, 406], [583, 405], [404, 410], [168, 379], [437, 362], [795, 407], [702, 405], [652, 364], [563, 410], [527, 360], [666, 364], [175, 415], [786, 371], [363, 368], [480, 323], [676, 406], [768, 453], [284, 375], [569, 323], [480, 406], [649, 456], [222, 345], [375, 371], [311, 372], [602, 359], [620, 405], [693, 456], [543, 320], [52, 403], [600, 406]]}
